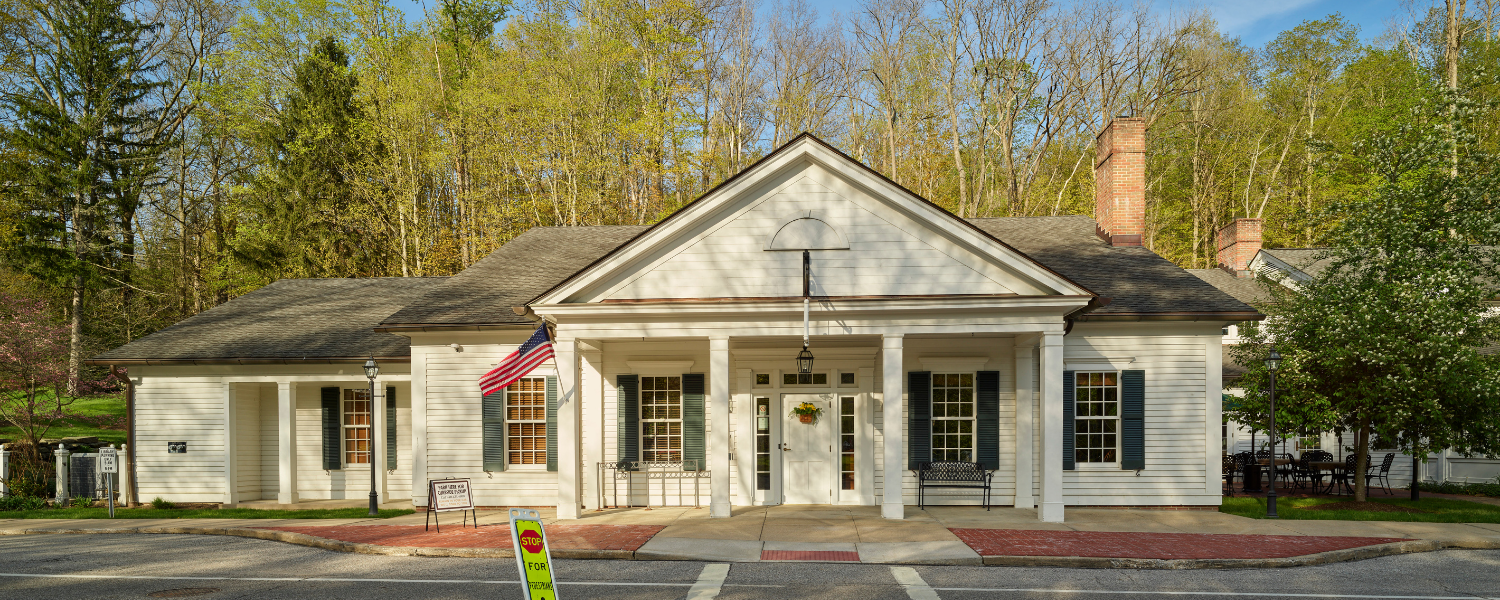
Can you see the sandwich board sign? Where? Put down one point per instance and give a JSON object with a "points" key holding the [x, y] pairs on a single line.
{"points": [[533, 556], [445, 495]]}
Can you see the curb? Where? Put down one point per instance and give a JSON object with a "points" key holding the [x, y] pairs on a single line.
{"points": [[1075, 562]]}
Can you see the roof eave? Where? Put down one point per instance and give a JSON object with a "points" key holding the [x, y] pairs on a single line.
{"points": [[1233, 317], [126, 362]]}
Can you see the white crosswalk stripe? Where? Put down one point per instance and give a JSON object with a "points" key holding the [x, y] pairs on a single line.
{"points": [[916, 588], [710, 582]]}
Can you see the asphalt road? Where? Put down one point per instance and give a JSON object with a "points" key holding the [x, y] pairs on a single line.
{"points": [[137, 566]]}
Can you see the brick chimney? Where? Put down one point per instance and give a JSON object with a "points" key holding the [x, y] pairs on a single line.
{"points": [[1120, 181], [1238, 243]]}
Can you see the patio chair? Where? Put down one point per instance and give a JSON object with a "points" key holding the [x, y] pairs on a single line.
{"points": [[1302, 471], [1229, 467], [1383, 474], [1310, 474], [1346, 477], [1243, 462], [1288, 471]]}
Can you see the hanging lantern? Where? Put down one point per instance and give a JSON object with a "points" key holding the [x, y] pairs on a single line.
{"points": [[804, 361]]}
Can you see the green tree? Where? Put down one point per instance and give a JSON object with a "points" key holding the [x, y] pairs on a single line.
{"points": [[308, 222], [1386, 337], [84, 147]]}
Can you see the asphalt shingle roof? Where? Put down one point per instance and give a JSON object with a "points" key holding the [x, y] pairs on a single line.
{"points": [[289, 320], [1135, 278], [1249, 290], [512, 275]]}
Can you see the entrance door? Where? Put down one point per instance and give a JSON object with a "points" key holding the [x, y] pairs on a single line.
{"points": [[807, 451]]}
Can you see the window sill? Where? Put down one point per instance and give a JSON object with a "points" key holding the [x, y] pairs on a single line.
{"points": [[1096, 466], [524, 469]]}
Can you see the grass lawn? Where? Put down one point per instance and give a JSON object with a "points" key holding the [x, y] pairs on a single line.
{"points": [[92, 407], [1440, 510], [209, 513]]}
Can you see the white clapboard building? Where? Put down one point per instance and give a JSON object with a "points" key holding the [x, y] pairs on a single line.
{"points": [[1078, 366]]}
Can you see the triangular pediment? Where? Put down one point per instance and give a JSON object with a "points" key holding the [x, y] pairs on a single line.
{"points": [[866, 236]]}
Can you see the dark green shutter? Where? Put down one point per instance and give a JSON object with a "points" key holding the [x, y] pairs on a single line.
{"points": [[987, 412], [551, 423], [331, 430], [693, 444], [627, 403], [1133, 420], [918, 418], [390, 428], [1069, 412], [492, 422]]}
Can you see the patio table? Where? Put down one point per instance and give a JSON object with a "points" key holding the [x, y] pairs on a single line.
{"points": [[1330, 466]]}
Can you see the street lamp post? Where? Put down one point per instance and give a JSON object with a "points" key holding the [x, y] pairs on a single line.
{"points": [[371, 370], [1273, 361]]}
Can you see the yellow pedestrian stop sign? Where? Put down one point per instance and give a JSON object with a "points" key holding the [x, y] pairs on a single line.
{"points": [[532, 555]]}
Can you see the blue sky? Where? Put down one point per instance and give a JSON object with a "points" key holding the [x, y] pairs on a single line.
{"points": [[1254, 21]]}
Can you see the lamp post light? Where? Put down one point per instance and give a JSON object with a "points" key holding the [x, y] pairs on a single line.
{"points": [[1273, 362], [372, 370]]}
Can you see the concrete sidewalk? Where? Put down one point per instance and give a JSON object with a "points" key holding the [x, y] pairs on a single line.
{"points": [[936, 535]]}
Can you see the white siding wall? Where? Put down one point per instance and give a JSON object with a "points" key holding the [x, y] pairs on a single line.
{"points": [[270, 465], [616, 357], [1173, 357], [186, 404], [181, 409], [248, 451], [454, 418]]}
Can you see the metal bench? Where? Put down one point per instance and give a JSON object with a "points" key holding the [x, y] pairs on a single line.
{"points": [[952, 474]]}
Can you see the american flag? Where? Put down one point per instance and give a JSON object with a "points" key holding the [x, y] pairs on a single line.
{"points": [[526, 358]]}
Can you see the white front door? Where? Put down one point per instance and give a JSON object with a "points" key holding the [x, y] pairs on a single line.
{"points": [[807, 451]]}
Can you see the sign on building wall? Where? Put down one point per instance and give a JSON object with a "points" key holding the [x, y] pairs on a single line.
{"points": [[533, 556]]}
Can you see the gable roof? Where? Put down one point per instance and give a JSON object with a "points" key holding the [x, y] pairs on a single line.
{"points": [[532, 263], [1137, 281], [1309, 262], [291, 320], [810, 147]]}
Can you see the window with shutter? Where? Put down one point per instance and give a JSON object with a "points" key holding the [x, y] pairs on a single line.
{"points": [[526, 422], [661, 419]]}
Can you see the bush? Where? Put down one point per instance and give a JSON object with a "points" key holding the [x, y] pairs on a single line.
{"points": [[81, 502], [159, 504], [1487, 488], [30, 476], [10, 503]]}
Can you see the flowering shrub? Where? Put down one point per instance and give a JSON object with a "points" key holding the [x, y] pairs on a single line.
{"points": [[34, 372]]}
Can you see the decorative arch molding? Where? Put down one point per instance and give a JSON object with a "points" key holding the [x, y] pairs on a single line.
{"points": [[806, 230]]}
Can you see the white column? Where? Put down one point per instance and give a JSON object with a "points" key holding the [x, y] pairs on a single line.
{"points": [[5, 471], [230, 472], [1213, 392], [1025, 420], [591, 380], [1052, 416], [894, 374], [418, 426], [377, 437], [569, 417], [718, 443], [123, 477], [286, 439]]}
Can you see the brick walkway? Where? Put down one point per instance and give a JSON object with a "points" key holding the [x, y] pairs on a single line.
{"points": [[1014, 542], [570, 537]]}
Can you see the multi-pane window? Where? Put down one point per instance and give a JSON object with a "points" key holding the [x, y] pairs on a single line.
{"points": [[526, 421], [953, 416], [846, 443], [762, 443], [804, 379], [1096, 426], [356, 427], [1309, 442], [661, 418]]}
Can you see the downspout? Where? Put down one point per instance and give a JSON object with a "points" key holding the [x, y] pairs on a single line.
{"points": [[1094, 303], [132, 498]]}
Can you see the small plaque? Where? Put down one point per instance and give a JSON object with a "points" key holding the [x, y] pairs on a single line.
{"points": [[450, 494], [176, 447], [109, 460]]}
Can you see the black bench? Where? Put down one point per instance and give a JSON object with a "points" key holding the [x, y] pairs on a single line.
{"points": [[953, 474]]}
